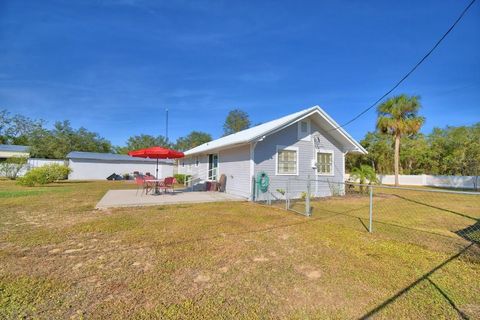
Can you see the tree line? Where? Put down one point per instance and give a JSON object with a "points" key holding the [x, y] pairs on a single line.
{"points": [[398, 147], [444, 151], [62, 138]]}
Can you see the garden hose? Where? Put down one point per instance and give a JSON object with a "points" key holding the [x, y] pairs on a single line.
{"points": [[263, 181]]}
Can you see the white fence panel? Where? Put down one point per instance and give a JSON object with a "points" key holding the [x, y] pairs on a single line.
{"points": [[408, 180], [451, 181], [464, 182], [37, 162]]}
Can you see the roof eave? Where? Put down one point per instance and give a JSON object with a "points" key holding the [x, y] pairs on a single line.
{"points": [[213, 149], [308, 112]]}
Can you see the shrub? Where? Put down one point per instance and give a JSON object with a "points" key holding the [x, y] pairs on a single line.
{"points": [[11, 167], [363, 174], [181, 177], [44, 175]]}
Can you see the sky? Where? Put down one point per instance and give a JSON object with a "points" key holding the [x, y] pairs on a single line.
{"points": [[113, 67]]}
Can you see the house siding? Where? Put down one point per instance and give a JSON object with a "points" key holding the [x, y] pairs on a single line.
{"points": [[265, 160], [235, 165], [187, 166]]}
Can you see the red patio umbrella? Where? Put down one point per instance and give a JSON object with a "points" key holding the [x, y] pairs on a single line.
{"points": [[157, 153]]}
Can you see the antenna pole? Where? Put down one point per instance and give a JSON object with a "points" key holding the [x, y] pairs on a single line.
{"points": [[166, 126]]}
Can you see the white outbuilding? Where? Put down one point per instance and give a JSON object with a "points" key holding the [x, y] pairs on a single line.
{"points": [[98, 166]]}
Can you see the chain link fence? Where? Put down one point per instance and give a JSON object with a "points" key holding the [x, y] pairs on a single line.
{"points": [[429, 209]]}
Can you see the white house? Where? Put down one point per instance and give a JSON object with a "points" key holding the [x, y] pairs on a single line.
{"points": [[305, 144], [98, 166], [13, 151]]}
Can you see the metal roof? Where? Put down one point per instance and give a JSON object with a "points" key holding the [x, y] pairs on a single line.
{"points": [[110, 157], [258, 132], [13, 148]]}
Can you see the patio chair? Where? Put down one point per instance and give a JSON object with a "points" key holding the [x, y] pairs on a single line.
{"points": [[147, 185], [141, 182], [167, 184], [222, 184]]}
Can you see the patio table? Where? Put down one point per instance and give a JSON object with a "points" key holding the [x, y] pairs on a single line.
{"points": [[155, 182]]}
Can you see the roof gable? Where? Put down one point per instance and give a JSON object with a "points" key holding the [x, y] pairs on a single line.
{"points": [[258, 132]]}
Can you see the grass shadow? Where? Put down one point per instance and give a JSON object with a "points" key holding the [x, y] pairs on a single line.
{"points": [[425, 276], [363, 224], [471, 233], [345, 213], [435, 207]]}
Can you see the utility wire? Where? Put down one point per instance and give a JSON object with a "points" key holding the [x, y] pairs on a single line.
{"points": [[412, 70]]}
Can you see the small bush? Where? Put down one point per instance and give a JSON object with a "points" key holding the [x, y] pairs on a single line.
{"points": [[181, 177], [44, 175], [11, 167]]}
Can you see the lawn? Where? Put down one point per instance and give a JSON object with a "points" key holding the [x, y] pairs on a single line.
{"points": [[60, 258]]}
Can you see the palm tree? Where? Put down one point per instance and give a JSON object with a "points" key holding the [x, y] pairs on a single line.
{"points": [[364, 173], [398, 116]]}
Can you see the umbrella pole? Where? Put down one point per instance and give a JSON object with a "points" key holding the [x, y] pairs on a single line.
{"points": [[156, 182]]}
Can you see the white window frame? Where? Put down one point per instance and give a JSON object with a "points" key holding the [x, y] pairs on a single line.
{"points": [[280, 148], [299, 130], [218, 167], [331, 174]]}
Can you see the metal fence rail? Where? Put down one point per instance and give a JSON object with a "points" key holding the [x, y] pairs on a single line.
{"points": [[428, 208]]}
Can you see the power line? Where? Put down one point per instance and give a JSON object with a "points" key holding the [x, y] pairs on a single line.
{"points": [[411, 70]]}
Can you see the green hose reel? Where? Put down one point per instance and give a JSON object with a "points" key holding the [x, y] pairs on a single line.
{"points": [[262, 182]]}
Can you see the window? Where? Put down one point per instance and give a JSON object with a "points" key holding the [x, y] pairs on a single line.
{"points": [[304, 129], [325, 163], [196, 161], [287, 161]]}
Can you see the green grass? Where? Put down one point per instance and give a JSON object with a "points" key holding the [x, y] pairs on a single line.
{"points": [[60, 258]]}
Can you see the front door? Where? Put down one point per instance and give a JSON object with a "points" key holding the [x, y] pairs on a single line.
{"points": [[212, 166]]}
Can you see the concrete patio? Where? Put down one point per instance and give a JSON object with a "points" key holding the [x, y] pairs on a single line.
{"points": [[130, 198]]}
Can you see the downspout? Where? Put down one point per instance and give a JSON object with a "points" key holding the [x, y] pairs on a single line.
{"points": [[252, 166], [344, 164]]}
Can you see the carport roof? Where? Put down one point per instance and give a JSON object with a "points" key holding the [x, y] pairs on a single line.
{"points": [[13, 148], [108, 157]]}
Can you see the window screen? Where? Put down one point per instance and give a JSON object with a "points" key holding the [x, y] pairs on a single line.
{"points": [[287, 162], [324, 163]]}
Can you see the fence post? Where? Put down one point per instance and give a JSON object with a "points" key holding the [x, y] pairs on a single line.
{"points": [[371, 209], [307, 199], [287, 205]]}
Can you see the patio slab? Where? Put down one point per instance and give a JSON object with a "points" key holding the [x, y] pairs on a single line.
{"points": [[130, 198]]}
